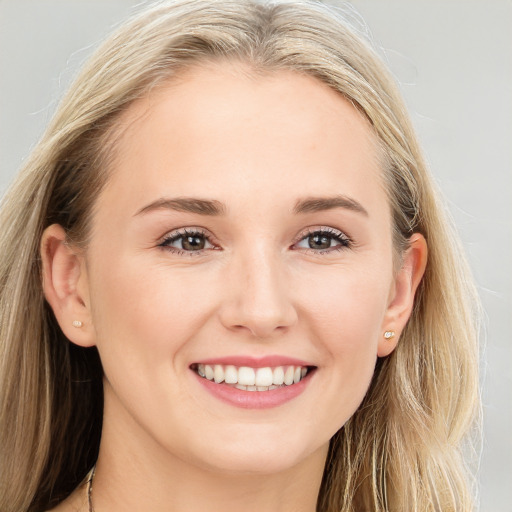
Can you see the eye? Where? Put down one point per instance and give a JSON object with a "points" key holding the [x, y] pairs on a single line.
{"points": [[324, 240], [187, 240]]}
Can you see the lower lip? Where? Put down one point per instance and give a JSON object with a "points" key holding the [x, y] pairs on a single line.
{"points": [[254, 399]]}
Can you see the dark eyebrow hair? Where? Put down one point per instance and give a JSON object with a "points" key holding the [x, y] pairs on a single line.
{"points": [[186, 204], [316, 204], [214, 207]]}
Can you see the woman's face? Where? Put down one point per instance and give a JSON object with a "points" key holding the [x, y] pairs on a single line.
{"points": [[244, 230]]}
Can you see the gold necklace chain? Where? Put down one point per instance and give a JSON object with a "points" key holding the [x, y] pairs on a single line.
{"points": [[89, 488]]}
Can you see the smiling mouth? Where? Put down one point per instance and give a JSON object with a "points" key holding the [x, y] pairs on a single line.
{"points": [[252, 379]]}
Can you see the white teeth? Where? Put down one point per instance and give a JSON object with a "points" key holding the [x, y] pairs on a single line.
{"points": [[208, 371], [246, 376], [278, 376], [264, 376], [252, 379], [218, 374], [288, 375], [230, 375]]}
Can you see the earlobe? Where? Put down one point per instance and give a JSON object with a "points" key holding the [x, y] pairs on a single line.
{"points": [[401, 301], [65, 286]]}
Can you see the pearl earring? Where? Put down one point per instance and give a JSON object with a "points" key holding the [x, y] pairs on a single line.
{"points": [[389, 334], [77, 323]]}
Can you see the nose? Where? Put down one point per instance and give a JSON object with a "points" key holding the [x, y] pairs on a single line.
{"points": [[257, 296]]}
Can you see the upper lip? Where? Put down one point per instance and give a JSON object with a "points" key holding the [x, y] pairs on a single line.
{"points": [[255, 362]]}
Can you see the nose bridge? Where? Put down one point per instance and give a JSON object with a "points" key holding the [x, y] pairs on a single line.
{"points": [[259, 296]]}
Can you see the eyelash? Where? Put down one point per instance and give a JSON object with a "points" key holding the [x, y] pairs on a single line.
{"points": [[333, 234], [181, 234]]}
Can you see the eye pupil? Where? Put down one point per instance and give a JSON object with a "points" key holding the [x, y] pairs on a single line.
{"points": [[319, 241], [193, 243]]}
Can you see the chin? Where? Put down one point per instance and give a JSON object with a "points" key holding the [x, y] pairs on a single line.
{"points": [[256, 454], [242, 464]]}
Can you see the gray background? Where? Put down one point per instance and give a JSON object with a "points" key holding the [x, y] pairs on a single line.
{"points": [[453, 59]]}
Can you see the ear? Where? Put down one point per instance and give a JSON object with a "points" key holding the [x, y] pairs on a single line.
{"points": [[65, 286], [401, 299]]}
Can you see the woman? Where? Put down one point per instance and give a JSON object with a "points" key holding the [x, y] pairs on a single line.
{"points": [[227, 281]]}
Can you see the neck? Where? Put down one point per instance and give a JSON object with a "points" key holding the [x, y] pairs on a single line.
{"points": [[190, 490], [130, 485]]}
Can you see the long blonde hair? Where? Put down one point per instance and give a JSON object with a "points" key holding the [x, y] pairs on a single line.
{"points": [[401, 451]]}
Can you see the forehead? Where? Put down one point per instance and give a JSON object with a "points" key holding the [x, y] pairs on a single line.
{"points": [[224, 131]]}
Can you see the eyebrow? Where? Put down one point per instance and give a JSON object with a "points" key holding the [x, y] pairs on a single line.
{"points": [[318, 204], [186, 204], [213, 207]]}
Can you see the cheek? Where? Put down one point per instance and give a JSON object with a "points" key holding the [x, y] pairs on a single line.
{"points": [[347, 305], [147, 311], [145, 316], [346, 321]]}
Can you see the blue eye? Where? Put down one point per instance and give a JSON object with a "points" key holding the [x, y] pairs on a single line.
{"points": [[187, 241], [323, 240]]}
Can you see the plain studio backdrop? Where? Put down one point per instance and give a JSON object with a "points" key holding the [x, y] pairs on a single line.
{"points": [[453, 59]]}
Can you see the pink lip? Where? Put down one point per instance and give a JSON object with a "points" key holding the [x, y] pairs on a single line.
{"points": [[254, 399], [256, 362]]}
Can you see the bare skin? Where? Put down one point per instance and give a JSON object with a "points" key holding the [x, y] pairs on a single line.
{"points": [[270, 274]]}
